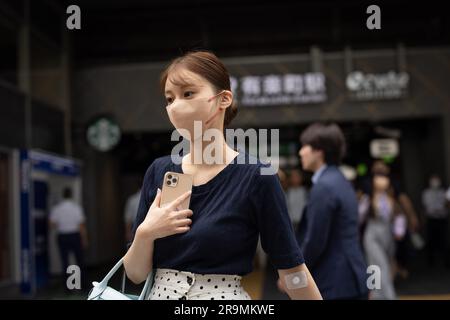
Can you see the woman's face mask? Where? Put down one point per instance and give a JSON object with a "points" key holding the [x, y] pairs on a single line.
{"points": [[201, 112]]}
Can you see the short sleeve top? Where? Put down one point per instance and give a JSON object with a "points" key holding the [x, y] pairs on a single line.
{"points": [[230, 212]]}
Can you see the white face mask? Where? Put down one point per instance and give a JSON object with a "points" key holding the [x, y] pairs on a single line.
{"points": [[183, 113], [381, 183], [435, 183]]}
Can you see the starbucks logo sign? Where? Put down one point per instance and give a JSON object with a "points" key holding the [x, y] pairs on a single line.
{"points": [[103, 134]]}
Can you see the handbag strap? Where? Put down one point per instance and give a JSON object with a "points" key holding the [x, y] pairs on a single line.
{"points": [[104, 283], [147, 286]]}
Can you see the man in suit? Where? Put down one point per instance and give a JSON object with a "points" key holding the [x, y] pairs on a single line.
{"points": [[328, 232]]}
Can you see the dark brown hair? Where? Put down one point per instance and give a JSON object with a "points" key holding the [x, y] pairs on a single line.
{"points": [[207, 65], [67, 193], [327, 138]]}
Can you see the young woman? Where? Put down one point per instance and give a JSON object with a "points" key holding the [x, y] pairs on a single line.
{"points": [[384, 224], [203, 252]]}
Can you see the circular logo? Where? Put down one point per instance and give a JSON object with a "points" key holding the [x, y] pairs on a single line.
{"points": [[355, 80], [103, 134]]}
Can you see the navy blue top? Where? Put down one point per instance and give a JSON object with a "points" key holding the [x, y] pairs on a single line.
{"points": [[230, 212]]}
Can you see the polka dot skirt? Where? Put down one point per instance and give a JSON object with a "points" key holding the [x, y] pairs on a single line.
{"points": [[182, 285]]}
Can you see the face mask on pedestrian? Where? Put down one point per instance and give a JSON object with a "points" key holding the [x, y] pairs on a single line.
{"points": [[435, 183], [183, 113], [381, 183]]}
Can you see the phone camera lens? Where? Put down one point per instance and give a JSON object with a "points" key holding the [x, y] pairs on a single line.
{"points": [[169, 176], [168, 182], [174, 180]]}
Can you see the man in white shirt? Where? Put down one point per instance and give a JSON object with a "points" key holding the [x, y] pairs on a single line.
{"points": [[68, 219], [435, 204]]}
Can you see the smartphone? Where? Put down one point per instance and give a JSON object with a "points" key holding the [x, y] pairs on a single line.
{"points": [[174, 185]]}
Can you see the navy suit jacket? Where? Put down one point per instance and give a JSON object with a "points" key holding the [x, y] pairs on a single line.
{"points": [[329, 238]]}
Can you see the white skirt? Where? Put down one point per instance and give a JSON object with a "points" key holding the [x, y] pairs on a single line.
{"points": [[172, 284]]}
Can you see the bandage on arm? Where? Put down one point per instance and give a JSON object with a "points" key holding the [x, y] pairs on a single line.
{"points": [[299, 284], [296, 280]]}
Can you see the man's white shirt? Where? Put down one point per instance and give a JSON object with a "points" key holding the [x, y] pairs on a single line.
{"points": [[67, 216]]}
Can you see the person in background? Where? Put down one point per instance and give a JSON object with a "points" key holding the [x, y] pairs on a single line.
{"points": [[362, 198], [131, 208], [435, 204], [68, 218], [402, 247], [384, 223], [328, 231], [296, 196], [283, 180], [363, 208]]}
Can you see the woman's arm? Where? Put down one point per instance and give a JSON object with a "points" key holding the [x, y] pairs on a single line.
{"points": [[298, 283], [363, 208], [159, 223], [138, 260], [408, 209]]}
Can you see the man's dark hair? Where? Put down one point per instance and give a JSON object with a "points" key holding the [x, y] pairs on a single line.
{"points": [[327, 138], [67, 193]]}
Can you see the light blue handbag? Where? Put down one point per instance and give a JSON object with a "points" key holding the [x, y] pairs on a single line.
{"points": [[101, 290]]}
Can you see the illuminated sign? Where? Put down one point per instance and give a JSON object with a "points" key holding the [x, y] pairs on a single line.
{"points": [[276, 89], [373, 86], [384, 148]]}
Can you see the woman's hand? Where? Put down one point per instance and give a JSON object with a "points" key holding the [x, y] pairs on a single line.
{"points": [[166, 221]]}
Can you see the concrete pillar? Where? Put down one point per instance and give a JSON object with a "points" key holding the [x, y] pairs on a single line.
{"points": [[446, 151], [348, 60], [65, 90], [316, 59], [24, 64]]}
